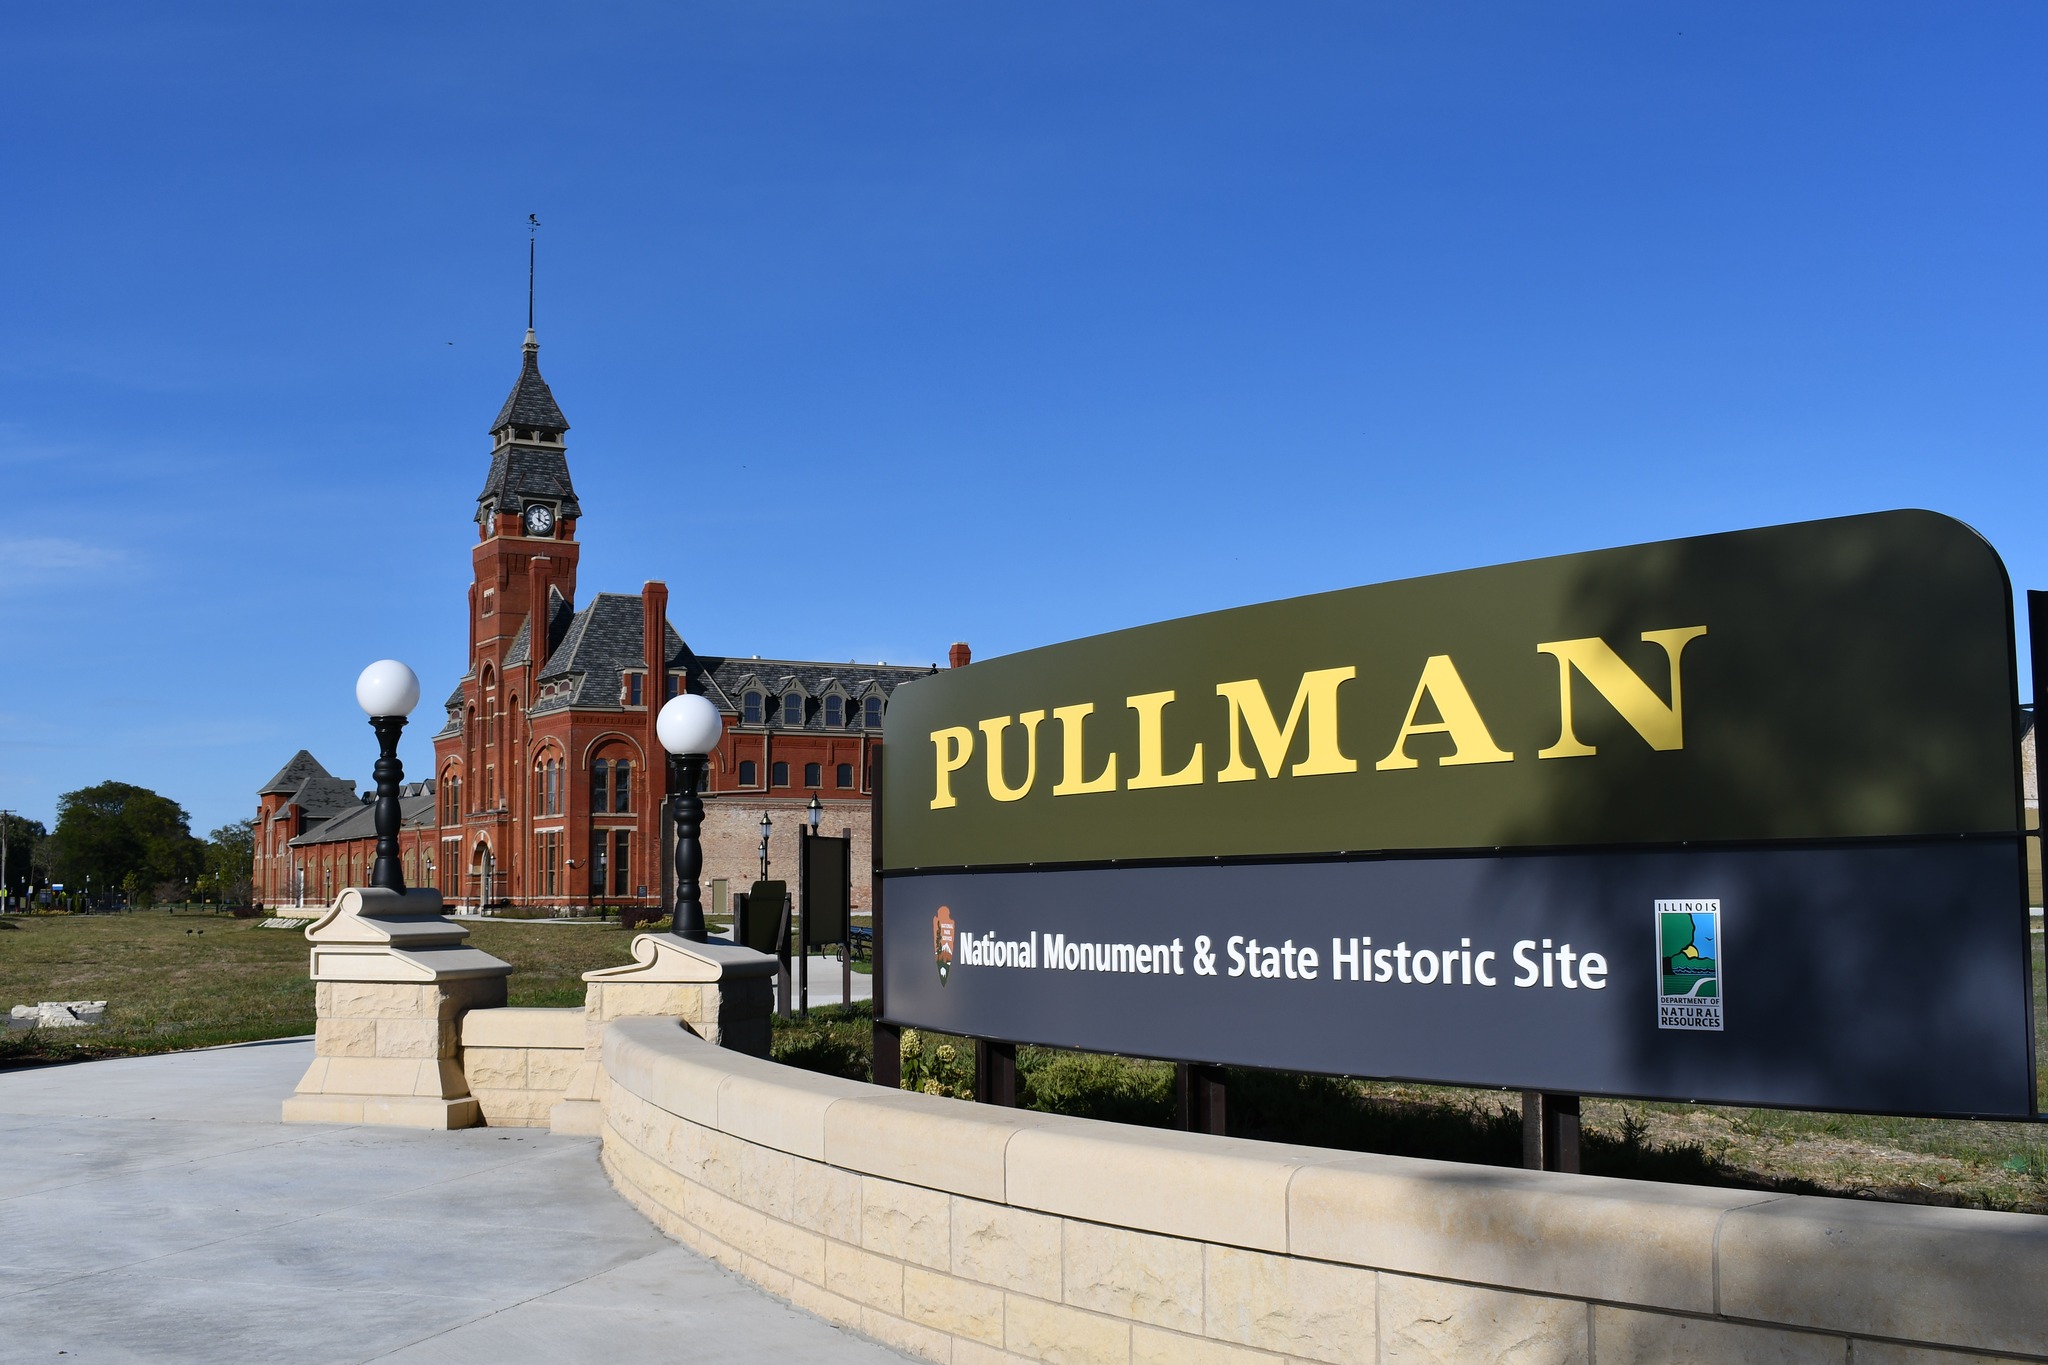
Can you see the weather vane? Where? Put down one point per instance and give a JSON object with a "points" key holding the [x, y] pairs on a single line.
{"points": [[532, 232]]}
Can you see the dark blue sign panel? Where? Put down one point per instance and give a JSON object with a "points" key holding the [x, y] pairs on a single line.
{"points": [[1883, 977]]}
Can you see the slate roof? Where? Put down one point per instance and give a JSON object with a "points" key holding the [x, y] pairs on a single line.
{"points": [[527, 471], [812, 680], [601, 643], [320, 797], [293, 775], [415, 809], [523, 473], [531, 403], [560, 614]]}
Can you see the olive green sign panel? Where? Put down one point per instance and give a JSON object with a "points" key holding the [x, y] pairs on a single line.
{"points": [[1850, 678]]}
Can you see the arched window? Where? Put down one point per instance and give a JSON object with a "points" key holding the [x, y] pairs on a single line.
{"points": [[792, 708], [778, 774], [750, 709], [843, 778], [835, 712], [814, 774], [611, 786], [750, 772], [547, 787], [871, 711]]}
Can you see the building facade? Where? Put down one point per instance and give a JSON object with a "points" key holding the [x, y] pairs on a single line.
{"points": [[550, 787]]}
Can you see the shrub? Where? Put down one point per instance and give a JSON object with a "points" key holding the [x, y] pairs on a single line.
{"points": [[938, 1064], [1092, 1085]]}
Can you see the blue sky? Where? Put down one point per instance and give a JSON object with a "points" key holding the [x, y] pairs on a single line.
{"points": [[884, 325]]}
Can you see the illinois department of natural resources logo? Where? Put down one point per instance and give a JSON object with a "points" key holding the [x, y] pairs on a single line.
{"points": [[942, 942], [1689, 964]]}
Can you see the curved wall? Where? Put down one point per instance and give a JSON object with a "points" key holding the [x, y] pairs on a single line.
{"points": [[969, 1234]]}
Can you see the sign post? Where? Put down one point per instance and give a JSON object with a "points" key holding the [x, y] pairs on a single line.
{"points": [[825, 887]]}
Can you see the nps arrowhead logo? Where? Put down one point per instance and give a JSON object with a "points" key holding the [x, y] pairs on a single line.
{"points": [[942, 942]]}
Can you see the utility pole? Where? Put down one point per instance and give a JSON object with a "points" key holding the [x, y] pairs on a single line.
{"points": [[6, 893]]}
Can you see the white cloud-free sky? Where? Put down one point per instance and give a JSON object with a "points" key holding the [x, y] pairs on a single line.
{"points": [[890, 324]]}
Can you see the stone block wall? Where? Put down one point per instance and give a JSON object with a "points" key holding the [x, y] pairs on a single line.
{"points": [[974, 1235], [518, 1062], [386, 1052]]}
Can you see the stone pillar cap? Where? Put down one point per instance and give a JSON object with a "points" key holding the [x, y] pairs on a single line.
{"points": [[371, 934], [666, 958]]}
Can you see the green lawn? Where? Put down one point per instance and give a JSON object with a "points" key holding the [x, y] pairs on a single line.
{"points": [[185, 980]]}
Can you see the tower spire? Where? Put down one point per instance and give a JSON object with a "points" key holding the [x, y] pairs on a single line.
{"points": [[532, 232]]}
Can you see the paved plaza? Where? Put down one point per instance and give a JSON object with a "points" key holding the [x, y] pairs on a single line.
{"points": [[155, 1209]]}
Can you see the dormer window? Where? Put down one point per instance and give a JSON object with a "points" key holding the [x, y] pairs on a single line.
{"points": [[634, 682], [750, 709], [871, 716], [792, 708], [835, 712]]}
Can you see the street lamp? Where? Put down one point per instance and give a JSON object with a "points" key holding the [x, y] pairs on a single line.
{"points": [[387, 691], [816, 812], [766, 825], [688, 727]]}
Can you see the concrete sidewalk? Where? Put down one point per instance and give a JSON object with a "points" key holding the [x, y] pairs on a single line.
{"points": [[155, 1209]]}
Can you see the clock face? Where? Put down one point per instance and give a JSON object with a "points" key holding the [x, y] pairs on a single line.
{"points": [[539, 519]]}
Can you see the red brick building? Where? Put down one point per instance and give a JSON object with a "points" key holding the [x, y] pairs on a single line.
{"points": [[549, 784]]}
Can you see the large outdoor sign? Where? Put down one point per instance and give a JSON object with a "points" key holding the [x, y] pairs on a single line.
{"points": [[1734, 818]]}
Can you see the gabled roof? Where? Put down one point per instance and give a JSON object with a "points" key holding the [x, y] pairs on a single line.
{"points": [[322, 796], [293, 775], [559, 617], [601, 643], [531, 403], [415, 810], [725, 680]]}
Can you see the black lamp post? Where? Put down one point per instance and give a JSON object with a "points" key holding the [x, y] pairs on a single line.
{"points": [[689, 727], [387, 691], [766, 825], [815, 811]]}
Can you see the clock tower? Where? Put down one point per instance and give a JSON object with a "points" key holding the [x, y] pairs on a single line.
{"points": [[521, 599], [525, 516]]}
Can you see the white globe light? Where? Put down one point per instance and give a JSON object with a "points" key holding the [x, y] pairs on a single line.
{"points": [[688, 724], [388, 688]]}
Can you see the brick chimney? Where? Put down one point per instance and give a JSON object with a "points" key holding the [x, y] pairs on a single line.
{"points": [[653, 617], [959, 656]]}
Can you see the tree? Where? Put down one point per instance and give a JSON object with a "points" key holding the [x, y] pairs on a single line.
{"points": [[119, 835], [231, 861], [21, 843]]}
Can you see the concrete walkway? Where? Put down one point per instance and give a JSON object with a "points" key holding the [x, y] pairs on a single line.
{"points": [[155, 1209]]}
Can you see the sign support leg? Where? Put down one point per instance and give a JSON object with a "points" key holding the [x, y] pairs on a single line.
{"points": [[1550, 1131], [995, 1072], [886, 1067], [1198, 1094], [782, 951]]}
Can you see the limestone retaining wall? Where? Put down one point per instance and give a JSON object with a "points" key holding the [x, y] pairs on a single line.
{"points": [[969, 1234], [519, 1061]]}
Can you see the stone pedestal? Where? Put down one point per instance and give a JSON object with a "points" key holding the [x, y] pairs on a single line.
{"points": [[392, 979], [724, 994]]}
